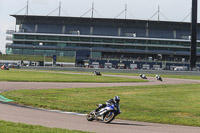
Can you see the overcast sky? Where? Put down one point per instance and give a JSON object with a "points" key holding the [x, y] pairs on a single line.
{"points": [[173, 10]]}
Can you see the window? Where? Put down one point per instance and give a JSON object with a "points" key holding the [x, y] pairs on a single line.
{"points": [[108, 40], [18, 36], [50, 43], [63, 38], [84, 39], [128, 41], [38, 52], [73, 45], [97, 39], [41, 37], [30, 37], [28, 51], [73, 38], [119, 40], [17, 51], [52, 38]]}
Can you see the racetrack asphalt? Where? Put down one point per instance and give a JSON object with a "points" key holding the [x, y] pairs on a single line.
{"points": [[33, 116]]}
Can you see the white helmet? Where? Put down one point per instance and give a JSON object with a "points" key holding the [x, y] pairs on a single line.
{"points": [[116, 99]]}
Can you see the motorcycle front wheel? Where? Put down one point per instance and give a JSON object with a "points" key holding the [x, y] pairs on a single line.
{"points": [[109, 117], [90, 116]]}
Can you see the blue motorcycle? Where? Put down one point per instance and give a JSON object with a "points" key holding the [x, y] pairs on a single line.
{"points": [[106, 114]]}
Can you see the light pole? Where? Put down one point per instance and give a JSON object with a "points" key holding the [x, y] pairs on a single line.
{"points": [[44, 60], [193, 35]]}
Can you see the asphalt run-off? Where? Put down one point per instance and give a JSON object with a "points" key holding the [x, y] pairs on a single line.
{"points": [[77, 121]]}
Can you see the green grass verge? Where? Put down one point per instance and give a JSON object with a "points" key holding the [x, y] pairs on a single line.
{"points": [[33, 76], [172, 104], [36, 58], [10, 127]]}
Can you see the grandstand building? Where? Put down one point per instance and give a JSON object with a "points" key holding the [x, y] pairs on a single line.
{"points": [[102, 39]]}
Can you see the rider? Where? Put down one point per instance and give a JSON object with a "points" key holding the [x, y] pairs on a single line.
{"points": [[114, 101], [158, 76], [143, 76], [3, 67]]}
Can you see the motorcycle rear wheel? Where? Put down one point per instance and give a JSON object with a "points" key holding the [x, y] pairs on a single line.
{"points": [[90, 116], [109, 117]]}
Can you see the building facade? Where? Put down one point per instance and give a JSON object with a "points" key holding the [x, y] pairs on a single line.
{"points": [[102, 38]]}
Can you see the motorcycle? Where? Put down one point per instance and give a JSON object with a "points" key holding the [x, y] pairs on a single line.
{"points": [[4, 67], [97, 73], [142, 76], [159, 78], [106, 114]]}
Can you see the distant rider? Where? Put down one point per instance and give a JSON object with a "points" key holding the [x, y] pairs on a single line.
{"points": [[143, 76], [4, 67], [158, 77], [114, 101]]}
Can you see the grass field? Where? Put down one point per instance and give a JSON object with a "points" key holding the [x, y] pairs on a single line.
{"points": [[33, 76], [10, 127], [172, 104]]}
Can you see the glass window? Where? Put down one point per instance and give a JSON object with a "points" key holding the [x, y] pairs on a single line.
{"points": [[28, 51], [63, 38], [61, 44], [96, 54], [119, 40], [50, 52], [160, 48], [73, 38], [18, 36], [41, 37], [9, 51], [18, 42], [84, 45], [179, 49], [97, 45], [52, 38], [30, 37], [154, 42], [35, 43], [17, 51], [50, 43], [38, 52], [84, 39], [140, 48], [97, 39], [71, 44], [109, 40], [71, 53], [128, 41]]}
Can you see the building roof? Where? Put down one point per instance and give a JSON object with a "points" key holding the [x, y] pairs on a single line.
{"points": [[20, 19]]}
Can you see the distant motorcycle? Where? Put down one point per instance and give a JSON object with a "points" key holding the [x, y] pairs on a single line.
{"points": [[158, 77], [106, 114], [97, 73], [143, 76], [4, 67]]}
